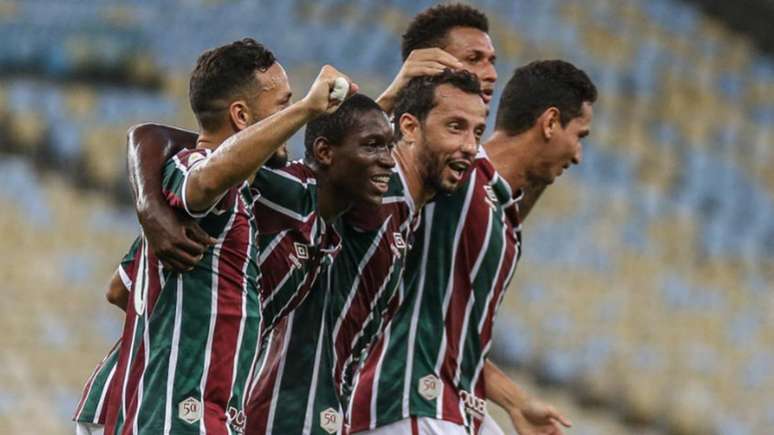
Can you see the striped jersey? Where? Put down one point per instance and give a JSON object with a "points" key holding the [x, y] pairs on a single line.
{"points": [[429, 361], [93, 402], [296, 392], [191, 340], [366, 278]]}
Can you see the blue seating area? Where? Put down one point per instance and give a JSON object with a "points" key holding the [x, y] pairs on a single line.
{"points": [[646, 280]]}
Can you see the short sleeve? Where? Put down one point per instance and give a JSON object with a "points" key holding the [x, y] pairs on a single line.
{"points": [[127, 269], [175, 178]]}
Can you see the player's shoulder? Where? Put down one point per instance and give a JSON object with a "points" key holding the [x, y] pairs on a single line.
{"points": [[188, 156]]}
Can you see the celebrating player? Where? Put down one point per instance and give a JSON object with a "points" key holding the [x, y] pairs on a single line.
{"points": [[191, 338]]}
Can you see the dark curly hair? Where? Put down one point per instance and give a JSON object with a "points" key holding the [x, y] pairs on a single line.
{"points": [[337, 125], [431, 26], [418, 96], [536, 87], [223, 74]]}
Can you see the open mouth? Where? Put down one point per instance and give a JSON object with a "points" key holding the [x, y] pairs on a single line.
{"points": [[486, 94], [458, 168], [381, 182]]}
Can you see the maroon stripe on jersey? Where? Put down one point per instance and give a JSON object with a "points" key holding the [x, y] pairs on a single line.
{"points": [[469, 248], [137, 368], [89, 385], [361, 414], [414, 426], [228, 322], [370, 281], [259, 403]]}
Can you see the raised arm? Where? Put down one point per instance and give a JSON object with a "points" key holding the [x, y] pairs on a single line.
{"points": [[175, 239], [237, 159], [420, 62], [529, 416]]}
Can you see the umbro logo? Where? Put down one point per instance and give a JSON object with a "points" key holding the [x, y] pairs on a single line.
{"points": [[490, 193], [399, 242], [302, 251]]}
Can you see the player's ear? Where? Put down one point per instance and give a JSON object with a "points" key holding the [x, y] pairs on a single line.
{"points": [[409, 127], [322, 151], [239, 115], [548, 122]]}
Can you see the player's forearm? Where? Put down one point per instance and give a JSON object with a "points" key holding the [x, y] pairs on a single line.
{"points": [[501, 390], [532, 193], [242, 154], [149, 146], [387, 100]]}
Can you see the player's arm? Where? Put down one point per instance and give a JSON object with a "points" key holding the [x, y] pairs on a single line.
{"points": [[420, 62], [242, 154], [117, 293], [529, 416], [176, 240], [532, 193]]}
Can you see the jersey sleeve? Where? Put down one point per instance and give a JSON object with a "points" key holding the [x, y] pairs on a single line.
{"points": [[128, 266], [175, 178], [289, 192]]}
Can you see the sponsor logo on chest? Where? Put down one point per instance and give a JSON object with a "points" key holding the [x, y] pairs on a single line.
{"points": [[491, 197], [237, 419]]}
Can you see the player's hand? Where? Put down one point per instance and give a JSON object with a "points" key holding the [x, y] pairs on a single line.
{"points": [[420, 62], [319, 99], [177, 241], [537, 418]]}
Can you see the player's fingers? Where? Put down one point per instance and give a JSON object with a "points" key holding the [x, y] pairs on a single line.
{"points": [[198, 235], [175, 265], [186, 260], [557, 429], [555, 415], [425, 70], [437, 55], [191, 247]]}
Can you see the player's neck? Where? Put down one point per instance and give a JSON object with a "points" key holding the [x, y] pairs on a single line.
{"points": [[405, 157], [213, 139], [510, 156], [330, 202]]}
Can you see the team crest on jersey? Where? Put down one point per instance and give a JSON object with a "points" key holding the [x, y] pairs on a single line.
{"points": [[189, 410], [429, 387], [330, 420], [302, 251]]}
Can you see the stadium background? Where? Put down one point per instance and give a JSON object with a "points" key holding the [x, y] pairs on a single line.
{"points": [[643, 303]]}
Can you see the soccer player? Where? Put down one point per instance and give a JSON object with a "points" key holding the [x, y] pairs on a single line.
{"points": [[190, 339], [314, 356], [89, 414], [430, 380]]}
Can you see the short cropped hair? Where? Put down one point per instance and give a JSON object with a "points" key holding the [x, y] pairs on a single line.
{"points": [[418, 96], [430, 27], [223, 74], [535, 87], [335, 126]]}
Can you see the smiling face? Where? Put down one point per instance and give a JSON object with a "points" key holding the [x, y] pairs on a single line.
{"points": [[361, 165], [564, 147], [474, 49], [447, 140]]}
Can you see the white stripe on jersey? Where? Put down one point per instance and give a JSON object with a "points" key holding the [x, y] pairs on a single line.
{"points": [[285, 211], [104, 394], [309, 415], [429, 211], [173, 353], [213, 310], [450, 286], [270, 248], [377, 372], [280, 369], [250, 238], [352, 291]]}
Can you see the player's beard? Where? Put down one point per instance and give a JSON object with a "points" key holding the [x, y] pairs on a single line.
{"points": [[280, 157]]}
